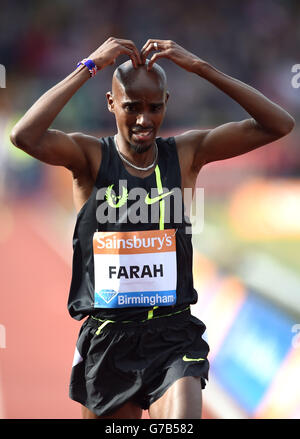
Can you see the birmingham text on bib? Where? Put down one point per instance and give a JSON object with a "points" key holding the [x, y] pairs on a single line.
{"points": [[135, 268]]}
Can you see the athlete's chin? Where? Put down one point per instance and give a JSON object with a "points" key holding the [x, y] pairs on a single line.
{"points": [[141, 145], [139, 149]]}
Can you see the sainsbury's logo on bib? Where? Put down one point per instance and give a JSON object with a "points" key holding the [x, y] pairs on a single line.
{"points": [[149, 241]]}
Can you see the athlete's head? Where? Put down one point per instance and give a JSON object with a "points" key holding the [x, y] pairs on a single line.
{"points": [[138, 100]]}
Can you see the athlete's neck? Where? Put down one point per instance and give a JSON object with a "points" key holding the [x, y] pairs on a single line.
{"points": [[134, 153]]}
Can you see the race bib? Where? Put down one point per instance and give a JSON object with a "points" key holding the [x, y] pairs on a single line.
{"points": [[135, 268]]}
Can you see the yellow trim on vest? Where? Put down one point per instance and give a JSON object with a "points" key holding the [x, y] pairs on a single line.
{"points": [[162, 202]]}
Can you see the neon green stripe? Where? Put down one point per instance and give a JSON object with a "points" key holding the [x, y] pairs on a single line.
{"points": [[150, 313], [103, 325], [162, 202], [150, 316], [167, 315], [158, 180], [185, 358]]}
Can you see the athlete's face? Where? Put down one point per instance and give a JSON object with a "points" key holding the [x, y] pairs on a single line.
{"points": [[139, 109]]}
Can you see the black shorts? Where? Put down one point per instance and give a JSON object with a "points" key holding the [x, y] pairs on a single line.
{"points": [[136, 361]]}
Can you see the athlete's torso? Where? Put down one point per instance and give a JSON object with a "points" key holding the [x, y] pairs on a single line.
{"points": [[115, 186], [83, 184]]}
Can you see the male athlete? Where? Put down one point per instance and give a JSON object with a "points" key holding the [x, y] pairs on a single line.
{"points": [[139, 347]]}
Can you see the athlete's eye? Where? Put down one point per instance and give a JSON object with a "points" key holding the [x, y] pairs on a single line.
{"points": [[130, 108], [155, 108]]}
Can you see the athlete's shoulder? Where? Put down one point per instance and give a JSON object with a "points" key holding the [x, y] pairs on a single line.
{"points": [[190, 138], [89, 144]]}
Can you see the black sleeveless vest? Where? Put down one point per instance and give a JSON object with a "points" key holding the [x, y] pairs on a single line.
{"points": [[91, 219]]}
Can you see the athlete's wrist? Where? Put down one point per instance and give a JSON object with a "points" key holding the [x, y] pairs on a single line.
{"points": [[202, 68], [90, 65]]}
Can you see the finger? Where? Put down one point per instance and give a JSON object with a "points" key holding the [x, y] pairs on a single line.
{"points": [[137, 54], [150, 46], [131, 54], [156, 56], [161, 43], [146, 51], [151, 41], [134, 60], [130, 44]]}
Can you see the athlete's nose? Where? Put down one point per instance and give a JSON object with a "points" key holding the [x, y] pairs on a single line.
{"points": [[143, 120]]}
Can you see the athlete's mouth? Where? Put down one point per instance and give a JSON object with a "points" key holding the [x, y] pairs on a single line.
{"points": [[142, 134]]}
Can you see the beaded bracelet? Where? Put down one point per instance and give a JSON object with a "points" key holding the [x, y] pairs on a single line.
{"points": [[90, 65]]}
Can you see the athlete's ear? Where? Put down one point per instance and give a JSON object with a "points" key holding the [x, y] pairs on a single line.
{"points": [[167, 96], [110, 101]]}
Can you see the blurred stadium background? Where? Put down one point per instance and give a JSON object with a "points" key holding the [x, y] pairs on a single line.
{"points": [[247, 258]]}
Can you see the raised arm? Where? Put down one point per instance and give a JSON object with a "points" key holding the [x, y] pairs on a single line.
{"points": [[268, 120], [32, 133]]}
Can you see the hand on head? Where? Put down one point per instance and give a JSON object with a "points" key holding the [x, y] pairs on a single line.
{"points": [[107, 53]]}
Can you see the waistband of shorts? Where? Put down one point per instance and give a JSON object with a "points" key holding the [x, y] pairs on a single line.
{"points": [[150, 318]]}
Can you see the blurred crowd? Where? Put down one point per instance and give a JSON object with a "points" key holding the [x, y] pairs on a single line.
{"points": [[254, 41]]}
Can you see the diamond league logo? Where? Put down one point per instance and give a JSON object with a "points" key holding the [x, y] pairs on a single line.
{"points": [[107, 295]]}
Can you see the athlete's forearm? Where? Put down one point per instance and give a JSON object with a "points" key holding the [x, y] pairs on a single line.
{"points": [[29, 130], [270, 116], [40, 116]]}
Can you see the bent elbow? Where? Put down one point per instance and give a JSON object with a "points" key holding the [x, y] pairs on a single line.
{"points": [[290, 125], [18, 139], [287, 127], [13, 137]]}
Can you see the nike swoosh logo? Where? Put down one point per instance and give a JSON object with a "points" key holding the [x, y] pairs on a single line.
{"points": [[149, 200], [185, 358]]}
